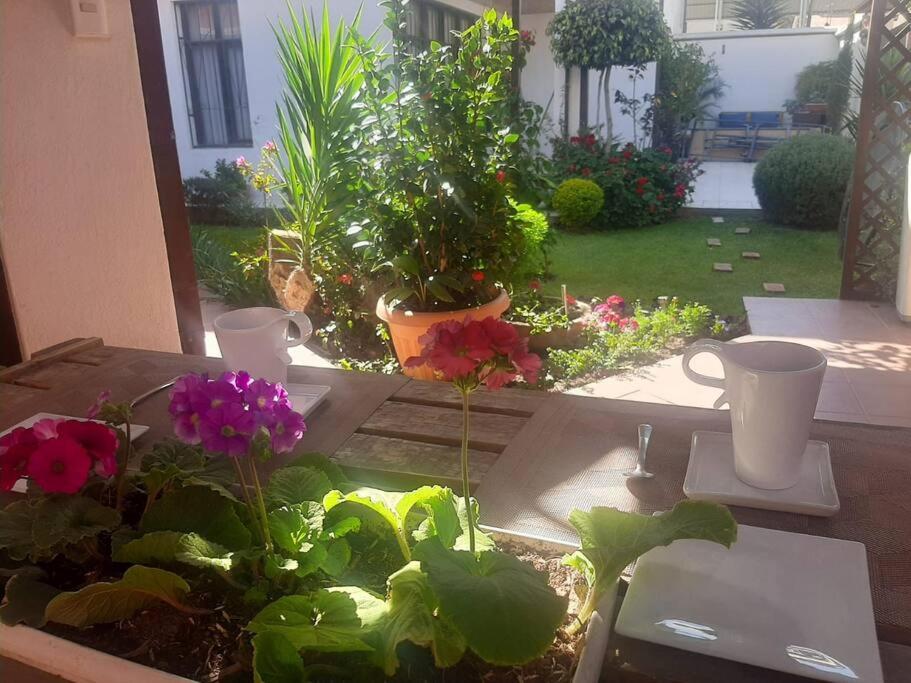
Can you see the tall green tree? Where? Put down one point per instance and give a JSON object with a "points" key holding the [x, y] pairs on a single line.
{"points": [[602, 34]]}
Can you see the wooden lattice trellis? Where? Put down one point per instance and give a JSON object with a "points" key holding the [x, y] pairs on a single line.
{"points": [[874, 214]]}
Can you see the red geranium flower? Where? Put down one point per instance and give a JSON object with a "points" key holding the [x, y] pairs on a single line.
{"points": [[478, 276], [640, 190], [98, 440], [59, 465], [613, 160], [590, 140], [641, 181], [501, 176], [570, 299], [586, 172], [534, 285], [575, 140], [627, 154], [345, 278]]}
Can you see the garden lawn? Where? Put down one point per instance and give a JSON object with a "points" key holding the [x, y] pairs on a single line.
{"points": [[673, 259], [241, 239]]}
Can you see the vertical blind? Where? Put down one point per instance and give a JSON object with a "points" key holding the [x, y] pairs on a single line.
{"points": [[214, 78]]}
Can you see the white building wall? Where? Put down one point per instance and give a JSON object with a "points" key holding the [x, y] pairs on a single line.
{"points": [[760, 67], [263, 72]]}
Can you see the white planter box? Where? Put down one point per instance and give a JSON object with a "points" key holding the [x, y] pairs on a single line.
{"points": [[79, 664]]}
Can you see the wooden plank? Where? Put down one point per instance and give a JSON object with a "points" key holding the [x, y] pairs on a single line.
{"points": [[12, 395], [47, 356], [432, 424], [363, 454], [48, 376], [519, 402]]}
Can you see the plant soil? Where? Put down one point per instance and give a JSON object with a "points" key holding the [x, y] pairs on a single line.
{"points": [[215, 647]]}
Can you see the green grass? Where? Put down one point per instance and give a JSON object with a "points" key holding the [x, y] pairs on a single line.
{"points": [[672, 259], [234, 238]]}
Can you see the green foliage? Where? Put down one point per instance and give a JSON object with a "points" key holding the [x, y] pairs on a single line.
{"points": [[814, 82], [612, 539], [291, 485], [654, 332], [753, 15], [600, 34], [239, 278], [275, 660], [688, 90], [536, 238], [25, 600], [105, 602], [199, 510], [840, 89], [300, 531], [172, 463], [503, 607], [167, 547], [530, 170], [802, 181], [221, 197], [641, 187], [439, 151], [53, 525], [578, 201]]}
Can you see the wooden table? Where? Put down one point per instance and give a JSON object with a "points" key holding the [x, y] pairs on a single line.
{"points": [[534, 457]]}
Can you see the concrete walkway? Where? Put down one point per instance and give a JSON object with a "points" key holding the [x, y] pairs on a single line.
{"points": [[725, 185], [868, 379]]}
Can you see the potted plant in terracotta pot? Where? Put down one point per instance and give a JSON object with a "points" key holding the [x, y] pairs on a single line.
{"points": [[435, 188]]}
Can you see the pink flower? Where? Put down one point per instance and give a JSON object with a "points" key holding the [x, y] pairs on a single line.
{"points": [[502, 336], [526, 364], [629, 324], [571, 300], [98, 440], [239, 380], [269, 146], [46, 428], [227, 429], [59, 465], [286, 427], [95, 408], [264, 395], [15, 450], [345, 279], [615, 301], [451, 352], [242, 164]]}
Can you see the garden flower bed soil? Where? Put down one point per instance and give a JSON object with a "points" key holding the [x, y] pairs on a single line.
{"points": [[215, 647]]}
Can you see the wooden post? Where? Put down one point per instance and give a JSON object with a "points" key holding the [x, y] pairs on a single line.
{"points": [[868, 105], [149, 50]]}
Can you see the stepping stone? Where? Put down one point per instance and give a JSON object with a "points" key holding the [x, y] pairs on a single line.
{"points": [[662, 301], [750, 254], [775, 287], [724, 268], [742, 231], [713, 242], [717, 219]]}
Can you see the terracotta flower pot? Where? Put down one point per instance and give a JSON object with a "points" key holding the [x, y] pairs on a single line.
{"points": [[405, 327]]}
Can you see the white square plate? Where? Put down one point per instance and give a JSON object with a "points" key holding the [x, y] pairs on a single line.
{"points": [[710, 476], [306, 397], [784, 601], [19, 487]]}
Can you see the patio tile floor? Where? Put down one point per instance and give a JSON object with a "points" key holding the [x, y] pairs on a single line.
{"points": [[868, 379], [725, 185]]}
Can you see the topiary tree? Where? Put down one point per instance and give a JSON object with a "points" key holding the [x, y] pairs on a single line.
{"points": [[602, 34], [577, 202], [802, 181]]}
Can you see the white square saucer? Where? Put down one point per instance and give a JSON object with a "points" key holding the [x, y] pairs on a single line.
{"points": [[306, 397], [710, 476]]}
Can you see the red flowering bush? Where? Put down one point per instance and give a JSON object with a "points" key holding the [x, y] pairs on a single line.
{"points": [[611, 315], [641, 187], [58, 455]]}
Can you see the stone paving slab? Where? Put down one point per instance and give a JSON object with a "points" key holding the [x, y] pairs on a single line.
{"points": [[750, 255], [717, 219], [723, 268], [713, 242], [773, 287], [742, 231]]}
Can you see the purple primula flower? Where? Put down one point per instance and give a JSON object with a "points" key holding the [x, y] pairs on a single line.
{"points": [[188, 395], [286, 428], [186, 427], [263, 395], [241, 380], [220, 392], [227, 429], [95, 408]]}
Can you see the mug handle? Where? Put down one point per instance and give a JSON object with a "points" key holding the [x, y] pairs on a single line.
{"points": [[304, 328], [716, 348]]}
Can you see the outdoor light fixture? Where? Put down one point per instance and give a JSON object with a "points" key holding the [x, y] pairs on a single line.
{"points": [[90, 18]]}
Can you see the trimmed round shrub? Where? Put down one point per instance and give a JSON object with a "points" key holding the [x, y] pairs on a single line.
{"points": [[802, 181], [577, 201]]}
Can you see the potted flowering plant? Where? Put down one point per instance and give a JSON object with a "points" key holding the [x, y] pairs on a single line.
{"points": [[436, 185]]}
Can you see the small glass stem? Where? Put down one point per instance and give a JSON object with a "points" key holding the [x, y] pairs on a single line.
{"points": [[267, 537], [466, 484]]}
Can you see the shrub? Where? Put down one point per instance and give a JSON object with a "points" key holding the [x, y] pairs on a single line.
{"points": [[578, 201], [814, 82], [537, 236], [641, 187], [238, 277], [801, 182], [221, 197]]}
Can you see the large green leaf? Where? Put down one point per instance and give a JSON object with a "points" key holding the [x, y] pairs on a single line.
{"points": [[503, 607], [294, 526], [165, 547], [276, 660], [16, 521], [173, 462], [333, 620], [410, 616], [293, 485], [612, 539], [318, 461], [200, 510], [394, 508], [104, 602], [25, 601], [65, 520]]}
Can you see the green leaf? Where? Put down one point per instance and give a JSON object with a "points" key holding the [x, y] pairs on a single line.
{"points": [[318, 461], [407, 264], [397, 295], [103, 602], [25, 601], [70, 519], [166, 547], [503, 607], [200, 510], [294, 526], [333, 620], [338, 555], [292, 485], [612, 539], [410, 616], [174, 461], [16, 521], [275, 660]]}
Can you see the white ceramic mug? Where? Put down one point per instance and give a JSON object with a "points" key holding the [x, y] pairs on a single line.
{"points": [[256, 340], [772, 388]]}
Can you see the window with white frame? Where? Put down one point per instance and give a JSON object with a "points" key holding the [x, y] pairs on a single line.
{"points": [[427, 21], [212, 56]]}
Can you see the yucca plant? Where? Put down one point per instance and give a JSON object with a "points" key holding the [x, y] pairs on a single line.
{"points": [[751, 15]]}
